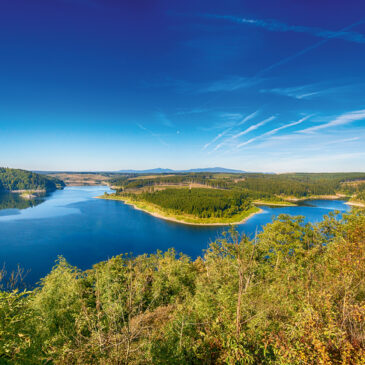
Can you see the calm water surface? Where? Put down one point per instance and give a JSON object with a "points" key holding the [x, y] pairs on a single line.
{"points": [[85, 230]]}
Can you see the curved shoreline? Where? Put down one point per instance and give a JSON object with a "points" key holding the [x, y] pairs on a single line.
{"points": [[171, 219], [244, 220], [355, 204]]}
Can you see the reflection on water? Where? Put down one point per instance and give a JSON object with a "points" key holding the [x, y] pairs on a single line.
{"points": [[12, 201], [58, 204]]}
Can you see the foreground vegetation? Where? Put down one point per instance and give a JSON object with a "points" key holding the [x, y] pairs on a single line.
{"points": [[18, 180], [294, 295]]}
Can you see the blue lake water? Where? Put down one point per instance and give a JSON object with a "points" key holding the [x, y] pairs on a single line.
{"points": [[85, 230]]}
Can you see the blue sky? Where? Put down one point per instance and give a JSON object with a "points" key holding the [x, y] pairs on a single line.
{"points": [[269, 86]]}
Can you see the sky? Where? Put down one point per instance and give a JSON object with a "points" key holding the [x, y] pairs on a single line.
{"points": [[105, 85]]}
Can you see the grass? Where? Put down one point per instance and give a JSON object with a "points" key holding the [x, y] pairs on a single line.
{"points": [[275, 203], [314, 197]]}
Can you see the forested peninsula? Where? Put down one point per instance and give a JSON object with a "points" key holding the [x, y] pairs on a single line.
{"points": [[224, 198], [292, 295], [15, 180], [194, 206]]}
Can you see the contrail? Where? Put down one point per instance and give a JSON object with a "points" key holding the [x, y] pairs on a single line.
{"points": [[305, 50], [276, 26], [292, 57]]}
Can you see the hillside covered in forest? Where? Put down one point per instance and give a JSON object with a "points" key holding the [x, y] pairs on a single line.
{"points": [[18, 180], [273, 187], [192, 206], [293, 295], [216, 198]]}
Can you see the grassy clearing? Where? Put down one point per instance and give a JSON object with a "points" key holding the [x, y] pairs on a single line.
{"points": [[275, 203]]}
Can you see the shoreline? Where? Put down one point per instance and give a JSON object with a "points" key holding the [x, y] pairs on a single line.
{"points": [[27, 191], [242, 221], [315, 197], [274, 204], [355, 204], [171, 219]]}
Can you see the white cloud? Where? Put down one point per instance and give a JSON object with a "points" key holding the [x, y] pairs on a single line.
{"points": [[229, 84], [253, 127], [276, 26], [153, 134], [287, 126], [230, 116], [216, 138], [249, 117], [247, 142], [163, 119], [297, 92], [343, 119], [273, 131]]}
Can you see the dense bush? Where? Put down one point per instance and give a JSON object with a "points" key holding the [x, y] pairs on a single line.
{"points": [[295, 295]]}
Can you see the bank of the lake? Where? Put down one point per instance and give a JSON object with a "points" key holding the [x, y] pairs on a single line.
{"points": [[355, 203], [274, 203], [295, 199], [70, 222], [171, 216]]}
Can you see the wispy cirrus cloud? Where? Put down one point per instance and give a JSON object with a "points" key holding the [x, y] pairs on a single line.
{"points": [[249, 117], [253, 127], [310, 91], [297, 92], [247, 142], [274, 131], [216, 138], [191, 111], [341, 120], [343, 140], [231, 140], [163, 119], [228, 84], [231, 116], [335, 34], [153, 134], [276, 26], [292, 124]]}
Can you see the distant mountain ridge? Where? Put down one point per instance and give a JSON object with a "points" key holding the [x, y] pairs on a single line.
{"points": [[166, 171]]}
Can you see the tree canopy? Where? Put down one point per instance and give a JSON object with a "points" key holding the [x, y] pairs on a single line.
{"points": [[14, 179], [258, 185], [203, 203]]}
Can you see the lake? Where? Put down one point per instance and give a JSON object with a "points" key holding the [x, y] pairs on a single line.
{"points": [[85, 230]]}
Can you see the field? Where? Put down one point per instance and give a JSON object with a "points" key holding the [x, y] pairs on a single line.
{"points": [[80, 179]]}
